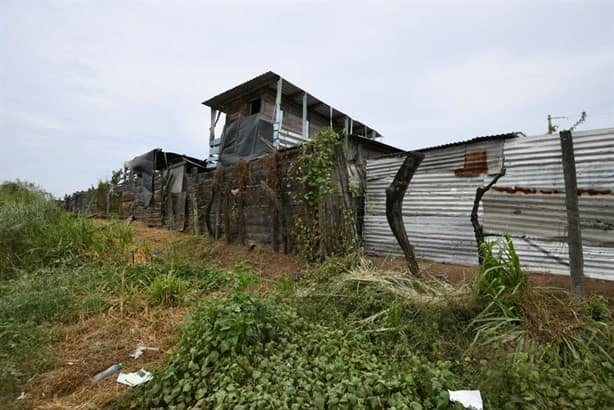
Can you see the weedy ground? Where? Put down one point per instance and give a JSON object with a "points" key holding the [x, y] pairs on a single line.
{"points": [[254, 329]]}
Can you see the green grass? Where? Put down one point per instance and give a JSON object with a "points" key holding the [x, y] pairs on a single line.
{"points": [[167, 290], [345, 336], [35, 232]]}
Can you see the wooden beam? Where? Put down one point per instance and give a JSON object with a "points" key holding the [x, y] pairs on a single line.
{"points": [[212, 127], [394, 206], [277, 123], [315, 104], [305, 122], [478, 229]]}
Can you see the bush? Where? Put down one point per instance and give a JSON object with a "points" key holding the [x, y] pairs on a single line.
{"points": [[246, 351]]}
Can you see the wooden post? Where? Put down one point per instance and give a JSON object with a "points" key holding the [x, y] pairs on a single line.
{"points": [[322, 229], [108, 201], [344, 182], [574, 234], [268, 191], [305, 122], [394, 206], [478, 229], [278, 115], [194, 201], [239, 198], [210, 230], [216, 235]]}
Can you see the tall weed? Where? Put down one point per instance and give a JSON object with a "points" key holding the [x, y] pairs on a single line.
{"points": [[35, 231]]}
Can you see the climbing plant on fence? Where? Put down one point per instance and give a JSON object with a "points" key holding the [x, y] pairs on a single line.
{"points": [[322, 228]]}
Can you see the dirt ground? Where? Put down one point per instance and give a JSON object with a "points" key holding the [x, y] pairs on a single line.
{"points": [[271, 264], [93, 344]]}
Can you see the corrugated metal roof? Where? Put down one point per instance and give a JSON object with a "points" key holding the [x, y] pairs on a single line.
{"points": [[483, 138], [289, 90]]}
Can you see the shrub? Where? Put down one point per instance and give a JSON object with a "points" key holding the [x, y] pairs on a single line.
{"points": [[246, 351]]}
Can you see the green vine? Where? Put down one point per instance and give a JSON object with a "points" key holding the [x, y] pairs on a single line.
{"points": [[315, 164], [321, 228]]}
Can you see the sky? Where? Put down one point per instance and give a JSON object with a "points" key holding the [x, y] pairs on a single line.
{"points": [[87, 85]]}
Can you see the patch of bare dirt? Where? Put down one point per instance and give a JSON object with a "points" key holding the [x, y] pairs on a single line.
{"points": [[155, 237]]}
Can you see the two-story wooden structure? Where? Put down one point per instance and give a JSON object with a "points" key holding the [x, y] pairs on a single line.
{"points": [[268, 112]]}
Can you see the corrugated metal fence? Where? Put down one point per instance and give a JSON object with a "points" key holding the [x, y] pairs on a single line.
{"points": [[528, 202], [437, 206]]}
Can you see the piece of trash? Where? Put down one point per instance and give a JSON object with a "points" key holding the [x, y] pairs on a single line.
{"points": [[470, 399], [134, 379], [22, 396], [106, 373], [251, 245], [140, 349]]}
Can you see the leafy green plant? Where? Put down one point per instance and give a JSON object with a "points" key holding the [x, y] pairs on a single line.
{"points": [[313, 172], [246, 351], [501, 285]]}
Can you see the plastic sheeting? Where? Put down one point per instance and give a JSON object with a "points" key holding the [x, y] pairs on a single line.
{"points": [[144, 166], [246, 138]]}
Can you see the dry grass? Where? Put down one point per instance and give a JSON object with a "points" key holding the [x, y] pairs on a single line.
{"points": [[92, 345], [427, 289]]}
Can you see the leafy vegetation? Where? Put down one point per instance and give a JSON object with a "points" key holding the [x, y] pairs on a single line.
{"points": [[35, 232], [248, 351], [313, 170], [346, 335]]}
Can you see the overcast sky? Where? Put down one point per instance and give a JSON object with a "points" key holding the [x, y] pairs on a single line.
{"points": [[86, 85]]}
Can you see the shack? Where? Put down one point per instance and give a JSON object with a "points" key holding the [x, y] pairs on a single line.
{"points": [[244, 191], [267, 113]]}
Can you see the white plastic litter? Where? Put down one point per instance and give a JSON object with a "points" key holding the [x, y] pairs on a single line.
{"points": [[22, 396], [140, 349], [134, 379], [470, 399]]}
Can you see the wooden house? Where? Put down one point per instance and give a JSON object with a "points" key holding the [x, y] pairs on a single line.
{"points": [[268, 113]]}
